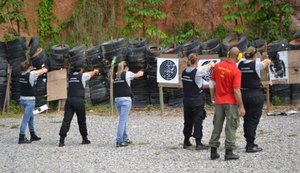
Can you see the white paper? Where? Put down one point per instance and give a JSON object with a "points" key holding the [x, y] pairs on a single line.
{"points": [[167, 70], [202, 62]]}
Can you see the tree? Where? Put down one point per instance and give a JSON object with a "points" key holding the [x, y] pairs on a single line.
{"points": [[265, 18], [10, 12], [141, 17]]}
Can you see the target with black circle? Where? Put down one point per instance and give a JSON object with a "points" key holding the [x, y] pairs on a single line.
{"points": [[203, 62], [168, 70]]}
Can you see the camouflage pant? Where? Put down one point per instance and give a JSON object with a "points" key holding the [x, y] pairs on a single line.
{"points": [[232, 123]]}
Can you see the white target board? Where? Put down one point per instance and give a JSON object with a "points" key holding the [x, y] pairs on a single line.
{"points": [[167, 70], [278, 70], [202, 62]]}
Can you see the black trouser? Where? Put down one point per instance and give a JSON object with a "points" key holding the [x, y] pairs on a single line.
{"points": [[253, 100], [193, 116], [74, 105]]}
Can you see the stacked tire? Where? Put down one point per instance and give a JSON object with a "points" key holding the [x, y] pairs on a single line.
{"points": [[57, 57], [3, 72], [77, 57], [295, 94], [281, 91], [259, 44], [97, 85], [116, 48], [212, 46], [151, 53], [191, 47], [16, 51], [234, 41]]}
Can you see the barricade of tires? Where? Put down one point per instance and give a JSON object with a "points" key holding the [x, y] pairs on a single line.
{"points": [[16, 51], [77, 57], [295, 94], [97, 86], [3, 72]]}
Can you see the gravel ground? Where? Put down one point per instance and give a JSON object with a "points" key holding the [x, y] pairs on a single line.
{"points": [[157, 146]]}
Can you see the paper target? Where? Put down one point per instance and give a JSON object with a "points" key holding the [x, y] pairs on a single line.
{"points": [[203, 62], [167, 70], [278, 68]]}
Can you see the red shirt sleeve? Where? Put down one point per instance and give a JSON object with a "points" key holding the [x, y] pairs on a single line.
{"points": [[212, 76]]}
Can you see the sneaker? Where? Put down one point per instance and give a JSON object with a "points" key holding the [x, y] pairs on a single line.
{"points": [[86, 141], [128, 141], [122, 144], [202, 147]]}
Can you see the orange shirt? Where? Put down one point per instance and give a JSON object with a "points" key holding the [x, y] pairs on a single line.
{"points": [[227, 77]]}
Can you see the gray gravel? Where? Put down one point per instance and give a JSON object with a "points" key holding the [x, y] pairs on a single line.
{"points": [[157, 146]]}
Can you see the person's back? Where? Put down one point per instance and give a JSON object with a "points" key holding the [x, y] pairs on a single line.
{"points": [[227, 77]]}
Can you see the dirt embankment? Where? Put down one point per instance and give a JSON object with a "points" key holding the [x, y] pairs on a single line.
{"points": [[205, 14]]}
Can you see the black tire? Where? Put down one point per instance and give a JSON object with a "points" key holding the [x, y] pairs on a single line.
{"points": [[210, 44], [191, 45], [39, 60], [196, 50], [173, 49], [294, 44], [242, 42], [278, 45], [19, 41], [257, 43], [60, 49], [112, 45], [94, 50], [77, 50], [136, 43], [33, 45]]}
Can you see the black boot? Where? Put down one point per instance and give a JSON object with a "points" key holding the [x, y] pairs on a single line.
{"points": [[23, 139], [229, 155], [252, 148], [200, 146], [186, 143], [214, 153], [85, 140], [61, 142], [33, 137]]}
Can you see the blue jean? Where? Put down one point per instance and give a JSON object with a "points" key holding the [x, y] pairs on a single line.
{"points": [[28, 118], [123, 104]]}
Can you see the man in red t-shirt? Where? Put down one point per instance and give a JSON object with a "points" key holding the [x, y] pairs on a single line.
{"points": [[225, 92]]}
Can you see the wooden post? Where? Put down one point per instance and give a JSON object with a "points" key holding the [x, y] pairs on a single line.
{"points": [[268, 98], [6, 103], [161, 100], [111, 93]]}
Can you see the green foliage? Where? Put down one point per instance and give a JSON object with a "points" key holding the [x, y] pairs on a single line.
{"points": [[98, 109], [221, 32], [276, 101], [10, 12], [15, 110], [265, 18], [138, 13], [48, 34]]}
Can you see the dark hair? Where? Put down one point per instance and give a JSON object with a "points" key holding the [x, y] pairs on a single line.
{"points": [[192, 59], [25, 65]]}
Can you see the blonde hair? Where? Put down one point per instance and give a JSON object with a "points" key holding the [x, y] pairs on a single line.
{"points": [[122, 66], [192, 59]]}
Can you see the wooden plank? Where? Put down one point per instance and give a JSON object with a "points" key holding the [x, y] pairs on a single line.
{"points": [[161, 100], [57, 74]]}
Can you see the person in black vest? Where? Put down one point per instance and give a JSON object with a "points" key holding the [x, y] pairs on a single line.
{"points": [[122, 94], [194, 101], [27, 81], [252, 95], [75, 104]]}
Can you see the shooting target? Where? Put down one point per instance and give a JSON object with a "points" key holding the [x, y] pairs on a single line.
{"points": [[167, 71], [279, 66], [203, 62]]}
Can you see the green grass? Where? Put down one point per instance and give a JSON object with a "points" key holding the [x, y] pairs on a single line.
{"points": [[292, 135], [15, 111], [3, 125], [56, 122], [98, 109], [14, 126]]}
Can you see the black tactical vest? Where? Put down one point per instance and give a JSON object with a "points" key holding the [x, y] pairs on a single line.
{"points": [[250, 79], [75, 88], [121, 87], [190, 88], [25, 87]]}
